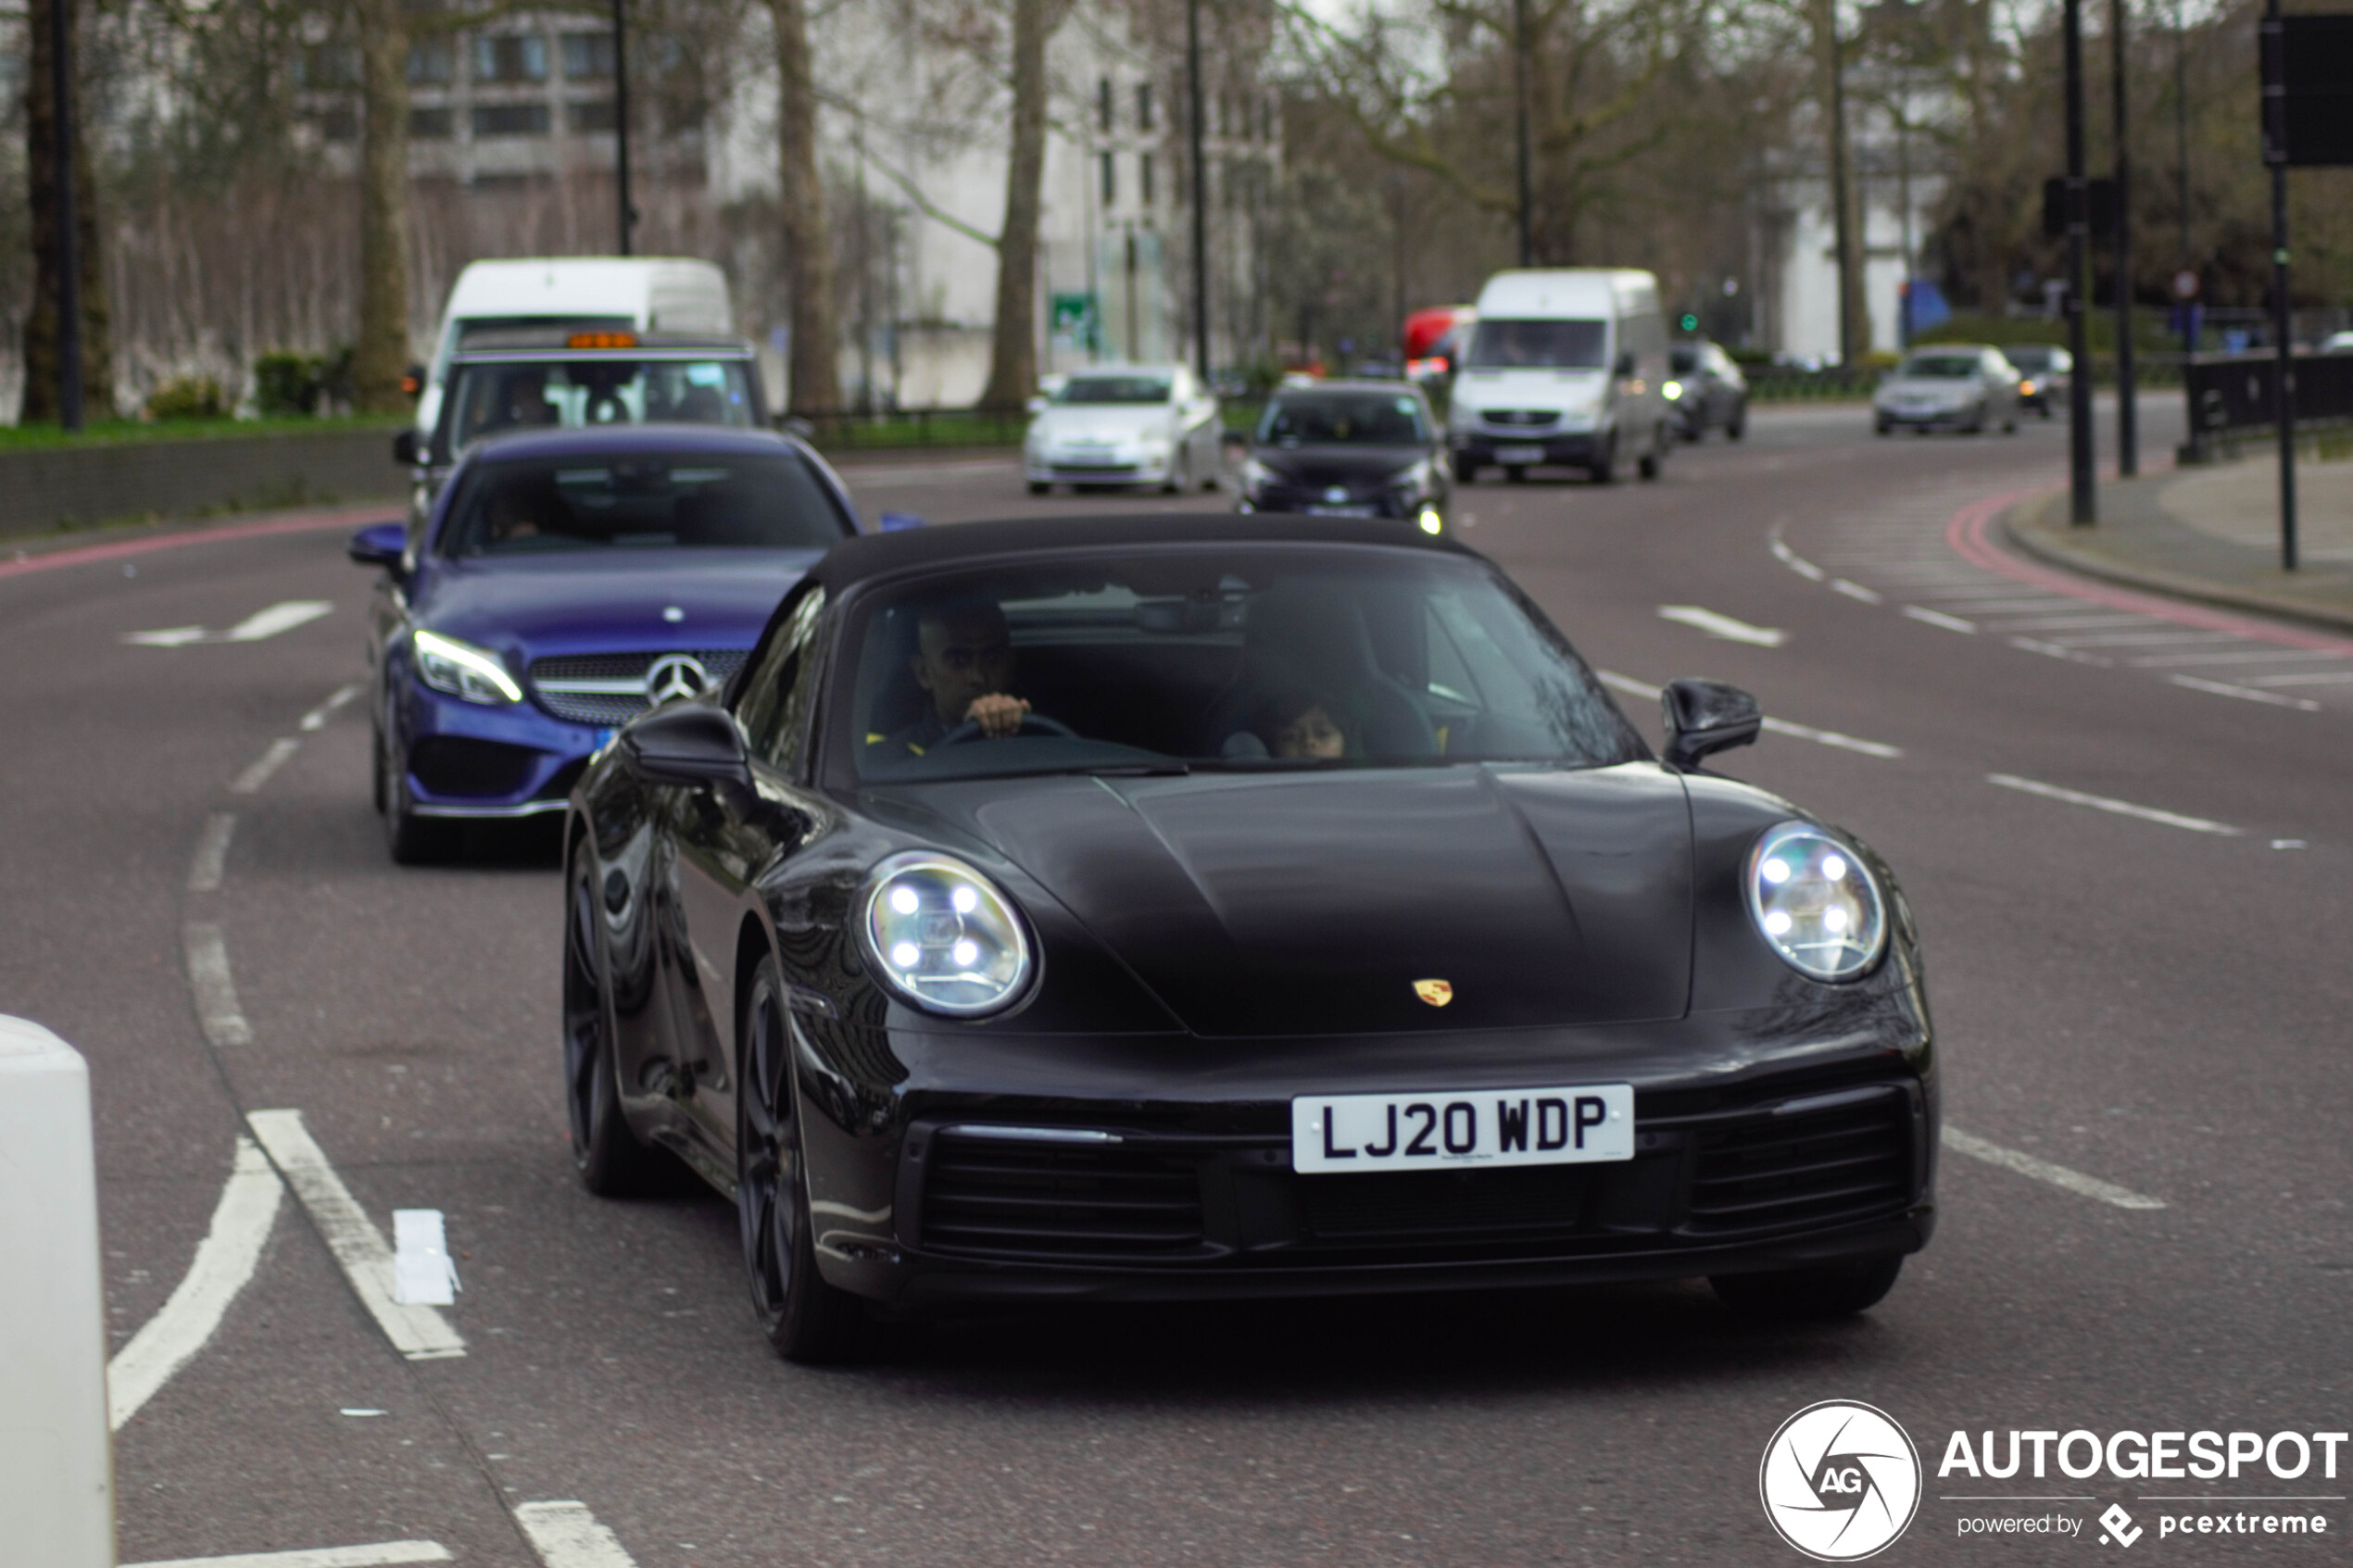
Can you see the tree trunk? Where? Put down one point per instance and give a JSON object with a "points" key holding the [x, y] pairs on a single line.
{"points": [[381, 356], [809, 246], [1854, 311], [43, 366], [1013, 359]]}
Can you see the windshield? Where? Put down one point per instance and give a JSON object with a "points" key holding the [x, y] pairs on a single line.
{"points": [[2027, 358], [504, 394], [1115, 389], [646, 500], [1567, 346], [1363, 419], [1230, 657], [1939, 367]]}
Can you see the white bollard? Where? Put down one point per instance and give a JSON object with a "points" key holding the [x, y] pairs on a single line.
{"points": [[57, 1464]]}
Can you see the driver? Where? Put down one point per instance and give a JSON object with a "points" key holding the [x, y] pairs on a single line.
{"points": [[963, 661]]}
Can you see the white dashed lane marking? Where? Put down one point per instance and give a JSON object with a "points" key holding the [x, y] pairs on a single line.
{"points": [[2115, 808], [217, 1011], [1611, 678], [270, 762], [1938, 618], [566, 1534], [2244, 693], [418, 1333], [383, 1554], [1723, 626], [2044, 1171], [318, 717], [210, 861]]}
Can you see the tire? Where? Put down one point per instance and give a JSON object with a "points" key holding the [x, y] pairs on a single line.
{"points": [[606, 1154], [806, 1319], [1824, 1290], [411, 839], [2009, 425], [1604, 469], [376, 768], [1882, 427], [1180, 479], [1976, 421], [1038, 487]]}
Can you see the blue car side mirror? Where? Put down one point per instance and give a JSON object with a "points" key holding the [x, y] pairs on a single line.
{"points": [[380, 543]]}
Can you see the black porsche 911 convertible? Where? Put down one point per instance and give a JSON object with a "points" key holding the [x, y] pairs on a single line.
{"points": [[1187, 906]]}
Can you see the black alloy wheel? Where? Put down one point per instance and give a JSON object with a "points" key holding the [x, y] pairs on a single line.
{"points": [[806, 1319], [412, 839], [1823, 1290], [606, 1154]]}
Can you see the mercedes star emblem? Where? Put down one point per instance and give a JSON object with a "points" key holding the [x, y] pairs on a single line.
{"points": [[675, 675]]}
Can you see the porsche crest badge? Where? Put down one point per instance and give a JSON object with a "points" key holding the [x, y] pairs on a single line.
{"points": [[1437, 993]]}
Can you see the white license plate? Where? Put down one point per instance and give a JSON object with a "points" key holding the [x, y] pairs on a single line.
{"points": [[1518, 456], [1429, 1131]]}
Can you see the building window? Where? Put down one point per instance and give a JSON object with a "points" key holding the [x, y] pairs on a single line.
{"points": [[430, 125], [510, 119], [432, 62], [1103, 104], [1143, 106], [1144, 178], [1111, 180], [588, 56], [323, 67], [510, 57], [588, 116]]}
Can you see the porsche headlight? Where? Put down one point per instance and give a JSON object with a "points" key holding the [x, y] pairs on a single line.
{"points": [[943, 937], [1814, 902], [464, 671]]}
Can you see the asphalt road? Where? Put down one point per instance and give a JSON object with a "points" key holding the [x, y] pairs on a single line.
{"points": [[2127, 835]]}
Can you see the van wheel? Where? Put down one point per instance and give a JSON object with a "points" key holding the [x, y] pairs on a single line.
{"points": [[1604, 469]]}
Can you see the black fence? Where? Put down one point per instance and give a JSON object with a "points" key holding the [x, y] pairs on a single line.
{"points": [[2233, 396]]}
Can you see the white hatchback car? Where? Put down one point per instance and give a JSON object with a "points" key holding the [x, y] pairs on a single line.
{"points": [[1125, 424], [1950, 386]]}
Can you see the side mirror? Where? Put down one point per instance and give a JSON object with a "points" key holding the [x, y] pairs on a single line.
{"points": [[1626, 365], [1704, 717], [404, 448], [380, 543], [688, 743]]}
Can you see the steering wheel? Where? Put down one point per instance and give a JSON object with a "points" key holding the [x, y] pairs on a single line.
{"points": [[969, 729]]}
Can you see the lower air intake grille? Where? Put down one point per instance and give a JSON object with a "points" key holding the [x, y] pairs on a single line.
{"points": [[1449, 1206], [458, 765], [1805, 1168], [991, 1196]]}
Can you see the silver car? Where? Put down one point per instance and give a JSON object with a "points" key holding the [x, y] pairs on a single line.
{"points": [[1951, 386], [1125, 424]]}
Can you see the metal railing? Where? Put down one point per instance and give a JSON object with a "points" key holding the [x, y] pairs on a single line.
{"points": [[2234, 397]]}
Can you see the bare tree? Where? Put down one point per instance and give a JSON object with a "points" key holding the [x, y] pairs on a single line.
{"points": [[1012, 359], [380, 358], [42, 361], [809, 251]]}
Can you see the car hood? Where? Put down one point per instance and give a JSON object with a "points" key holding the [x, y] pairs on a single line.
{"points": [[609, 601], [1353, 464], [1103, 421], [1312, 903]]}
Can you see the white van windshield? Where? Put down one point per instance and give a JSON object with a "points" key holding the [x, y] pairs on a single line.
{"points": [[1563, 345]]}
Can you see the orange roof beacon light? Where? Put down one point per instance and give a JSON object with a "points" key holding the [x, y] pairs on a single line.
{"points": [[601, 340]]}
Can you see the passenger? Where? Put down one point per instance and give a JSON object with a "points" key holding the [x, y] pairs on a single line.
{"points": [[1310, 732], [964, 662]]}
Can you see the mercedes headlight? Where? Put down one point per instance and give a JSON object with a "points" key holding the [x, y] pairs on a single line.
{"points": [[943, 937], [464, 671], [1814, 902]]}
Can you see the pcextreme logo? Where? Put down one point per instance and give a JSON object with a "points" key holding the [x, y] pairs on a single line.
{"points": [[1840, 1481]]}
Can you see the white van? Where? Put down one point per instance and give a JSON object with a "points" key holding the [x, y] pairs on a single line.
{"points": [[590, 293], [1566, 367]]}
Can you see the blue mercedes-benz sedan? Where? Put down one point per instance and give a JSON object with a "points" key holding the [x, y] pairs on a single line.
{"points": [[563, 581]]}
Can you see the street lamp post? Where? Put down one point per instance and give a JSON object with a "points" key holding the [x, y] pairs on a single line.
{"points": [[2083, 500], [1200, 189], [627, 210], [2283, 320], [2128, 442], [68, 220]]}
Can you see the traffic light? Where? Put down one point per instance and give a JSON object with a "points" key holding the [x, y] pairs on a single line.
{"points": [[1691, 322]]}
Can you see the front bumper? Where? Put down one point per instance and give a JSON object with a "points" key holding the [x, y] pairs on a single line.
{"points": [[468, 759], [1132, 1181], [1304, 502], [1955, 416], [1066, 469], [1572, 449]]}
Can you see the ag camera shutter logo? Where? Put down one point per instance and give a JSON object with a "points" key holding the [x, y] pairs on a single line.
{"points": [[1840, 1481]]}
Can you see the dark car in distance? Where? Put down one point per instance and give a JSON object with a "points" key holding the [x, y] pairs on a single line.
{"points": [[1706, 389], [563, 581], [2044, 371], [1176, 908], [1349, 448]]}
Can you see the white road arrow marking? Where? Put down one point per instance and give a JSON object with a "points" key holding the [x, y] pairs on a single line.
{"points": [[254, 628], [1723, 626]]}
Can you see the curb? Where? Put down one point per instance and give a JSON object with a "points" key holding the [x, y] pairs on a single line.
{"points": [[2087, 563]]}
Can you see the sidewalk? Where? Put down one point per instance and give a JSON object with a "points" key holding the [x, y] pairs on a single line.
{"points": [[2212, 534]]}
